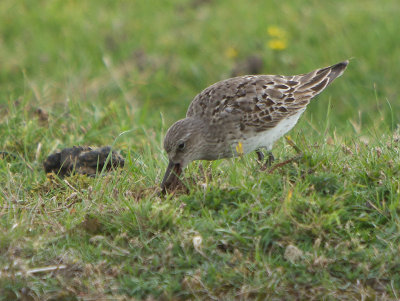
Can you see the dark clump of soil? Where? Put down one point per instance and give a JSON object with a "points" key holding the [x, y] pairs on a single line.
{"points": [[6, 155], [82, 160], [250, 65]]}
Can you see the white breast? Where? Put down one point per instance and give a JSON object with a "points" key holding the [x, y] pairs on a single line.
{"points": [[267, 139]]}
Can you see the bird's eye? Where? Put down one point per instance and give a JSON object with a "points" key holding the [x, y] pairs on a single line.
{"points": [[181, 145]]}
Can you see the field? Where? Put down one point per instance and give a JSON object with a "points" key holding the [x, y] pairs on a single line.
{"points": [[324, 227]]}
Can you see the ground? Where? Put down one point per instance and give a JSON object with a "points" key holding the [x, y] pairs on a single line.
{"points": [[119, 73]]}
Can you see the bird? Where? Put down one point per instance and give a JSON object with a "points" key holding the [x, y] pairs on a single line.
{"points": [[251, 111]]}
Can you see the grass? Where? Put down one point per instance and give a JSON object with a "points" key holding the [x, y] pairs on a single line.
{"points": [[119, 72]]}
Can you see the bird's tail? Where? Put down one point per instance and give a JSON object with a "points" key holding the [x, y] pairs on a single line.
{"points": [[316, 81], [336, 70]]}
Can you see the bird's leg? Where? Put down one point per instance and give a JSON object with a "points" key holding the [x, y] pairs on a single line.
{"points": [[270, 159], [261, 157]]}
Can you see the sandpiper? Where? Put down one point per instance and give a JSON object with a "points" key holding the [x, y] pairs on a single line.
{"points": [[251, 111]]}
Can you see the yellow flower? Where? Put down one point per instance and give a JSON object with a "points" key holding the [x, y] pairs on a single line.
{"points": [[277, 44], [239, 148], [289, 139], [231, 53], [289, 196], [276, 32], [278, 38]]}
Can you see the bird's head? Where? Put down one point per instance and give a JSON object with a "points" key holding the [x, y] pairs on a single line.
{"points": [[183, 145]]}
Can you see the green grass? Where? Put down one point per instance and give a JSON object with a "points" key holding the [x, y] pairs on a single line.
{"points": [[120, 72]]}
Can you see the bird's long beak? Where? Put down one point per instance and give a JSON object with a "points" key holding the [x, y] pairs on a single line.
{"points": [[171, 175]]}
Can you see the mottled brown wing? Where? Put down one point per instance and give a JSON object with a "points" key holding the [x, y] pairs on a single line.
{"points": [[259, 102]]}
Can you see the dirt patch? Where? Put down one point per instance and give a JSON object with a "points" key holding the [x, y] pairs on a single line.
{"points": [[83, 160]]}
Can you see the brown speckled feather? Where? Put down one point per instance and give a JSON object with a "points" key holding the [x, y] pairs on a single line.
{"points": [[258, 102]]}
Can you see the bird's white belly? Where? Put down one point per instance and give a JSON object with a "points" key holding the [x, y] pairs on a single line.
{"points": [[267, 138]]}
